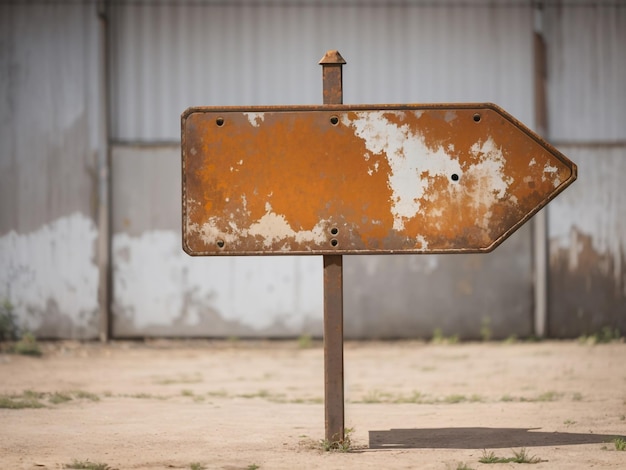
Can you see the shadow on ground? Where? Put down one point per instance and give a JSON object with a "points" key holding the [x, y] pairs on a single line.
{"points": [[478, 438]]}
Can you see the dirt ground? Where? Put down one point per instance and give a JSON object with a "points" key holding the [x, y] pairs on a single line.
{"points": [[259, 405]]}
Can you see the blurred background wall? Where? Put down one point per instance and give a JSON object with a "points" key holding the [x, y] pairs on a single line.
{"points": [[91, 94]]}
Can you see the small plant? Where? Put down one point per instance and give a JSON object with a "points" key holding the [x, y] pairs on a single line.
{"points": [[28, 399], [305, 341], [252, 466], [485, 329], [620, 444], [452, 399], [59, 397], [489, 457], [196, 466], [339, 445], [460, 466], [87, 465], [8, 323], [569, 422], [518, 457], [605, 335], [27, 346], [511, 339], [439, 338], [83, 395]]}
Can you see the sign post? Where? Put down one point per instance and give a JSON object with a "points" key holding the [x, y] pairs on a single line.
{"points": [[334, 179], [332, 85]]}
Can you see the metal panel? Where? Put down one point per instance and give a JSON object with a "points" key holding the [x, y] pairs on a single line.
{"points": [[350, 180], [588, 246], [169, 57], [48, 144], [586, 71]]}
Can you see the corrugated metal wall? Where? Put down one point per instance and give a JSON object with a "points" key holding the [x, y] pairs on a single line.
{"points": [[168, 57], [587, 224], [49, 118]]}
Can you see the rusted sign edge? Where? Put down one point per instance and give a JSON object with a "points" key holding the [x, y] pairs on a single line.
{"points": [[375, 107]]}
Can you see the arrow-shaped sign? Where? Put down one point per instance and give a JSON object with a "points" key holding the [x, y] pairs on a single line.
{"points": [[361, 179]]}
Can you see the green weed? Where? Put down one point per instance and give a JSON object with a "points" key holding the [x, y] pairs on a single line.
{"points": [[620, 444], [196, 466], [463, 466], [605, 335], [87, 465], [305, 341], [59, 397], [28, 399], [485, 329], [27, 346], [518, 457], [439, 338], [339, 445], [452, 399], [9, 330], [83, 395]]}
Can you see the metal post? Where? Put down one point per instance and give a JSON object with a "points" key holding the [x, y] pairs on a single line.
{"points": [[105, 283], [332, 64], [540, 220]]}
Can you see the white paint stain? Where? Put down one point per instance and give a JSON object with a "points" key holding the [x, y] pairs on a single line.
{"points": [[272, 227], [412, 163], [490, 170], [156, 282], [255, 119], [55, 263], [551, 172]]}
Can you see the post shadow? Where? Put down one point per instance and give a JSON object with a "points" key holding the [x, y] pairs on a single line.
{"points": [[479, 438]]}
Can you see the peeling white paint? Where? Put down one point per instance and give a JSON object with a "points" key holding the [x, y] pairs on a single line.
{"points": [[412, 163], [551, 172], [421, 243], [271, 227], [255, 119], [55, 263]]}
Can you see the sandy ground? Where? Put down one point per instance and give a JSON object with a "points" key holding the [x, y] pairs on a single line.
{"points": [[248, 405]]}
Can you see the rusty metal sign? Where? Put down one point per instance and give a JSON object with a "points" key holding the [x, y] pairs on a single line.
{"points": [[340, 179]]}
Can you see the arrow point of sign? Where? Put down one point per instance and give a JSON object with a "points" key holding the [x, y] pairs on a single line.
{"points": [[332, 57]]}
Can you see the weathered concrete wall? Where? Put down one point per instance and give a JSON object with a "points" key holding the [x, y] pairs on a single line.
{"points": [[48, 151]]}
